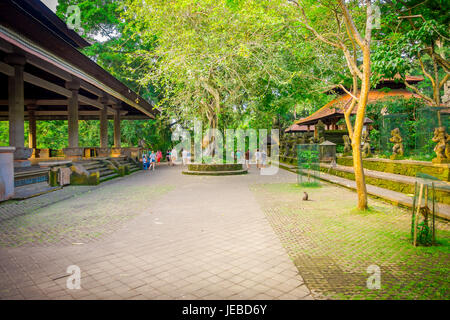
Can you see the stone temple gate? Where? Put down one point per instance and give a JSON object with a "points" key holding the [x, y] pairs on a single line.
{"points": [[44, 76]]}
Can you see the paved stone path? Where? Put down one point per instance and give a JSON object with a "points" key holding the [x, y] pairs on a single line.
{"points": [[394, 197], [202, 238]]}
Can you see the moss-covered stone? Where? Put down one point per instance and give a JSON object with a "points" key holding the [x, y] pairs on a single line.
{"points": [[403, 167], [288, 160], [442, 196], [215, 173], [215, 167], [53, 178], [82, 179]]}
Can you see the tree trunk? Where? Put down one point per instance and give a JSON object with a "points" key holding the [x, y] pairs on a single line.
{"points": [[359, 124]]}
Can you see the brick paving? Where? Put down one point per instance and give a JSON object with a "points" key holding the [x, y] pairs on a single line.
{"points": [[394, 197], [333, 246], [152, 235]]}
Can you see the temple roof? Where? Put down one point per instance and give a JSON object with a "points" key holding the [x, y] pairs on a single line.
{"points": [[298, 128], [53, 58], [336, 107]]}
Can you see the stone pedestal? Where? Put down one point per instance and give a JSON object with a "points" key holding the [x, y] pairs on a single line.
{"points": [[440, 160], [44, 153], [116, 152], [6, 173], [21, 156], [73, 153]]}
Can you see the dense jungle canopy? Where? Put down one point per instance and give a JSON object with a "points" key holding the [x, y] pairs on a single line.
{"points": [[245, 63]]}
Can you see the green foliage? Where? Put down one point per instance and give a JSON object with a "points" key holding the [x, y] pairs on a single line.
{"points": [[393, 106], [53, 134], [413, 46]]}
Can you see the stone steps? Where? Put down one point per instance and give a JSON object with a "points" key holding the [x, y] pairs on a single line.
{"points": [[33, 190], [30, 175], [101, 167], [108, 177]]}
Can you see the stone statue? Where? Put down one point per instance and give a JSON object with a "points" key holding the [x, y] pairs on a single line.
{"points": [[366, 145], [442, 148], [283, 146], [293, 149], [396, 138], [289, 143], [320, 136], [301, 138], [347, 145], [319, 133]]}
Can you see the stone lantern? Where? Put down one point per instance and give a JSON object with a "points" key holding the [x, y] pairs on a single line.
{"points": [[327, 151]]}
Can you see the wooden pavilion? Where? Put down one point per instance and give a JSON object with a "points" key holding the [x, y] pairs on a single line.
{"points": [[44, 76], [332, 112]]}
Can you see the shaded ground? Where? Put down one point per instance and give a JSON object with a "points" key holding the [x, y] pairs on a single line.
{"points": [[332, 245]]}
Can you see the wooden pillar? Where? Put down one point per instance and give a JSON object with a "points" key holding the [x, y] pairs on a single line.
{"points": [[104, 127], [116, 126], [31, 126], [72, 117], [16, 108]]}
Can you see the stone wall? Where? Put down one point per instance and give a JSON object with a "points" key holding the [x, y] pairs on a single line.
{"points": [[403, 167]]}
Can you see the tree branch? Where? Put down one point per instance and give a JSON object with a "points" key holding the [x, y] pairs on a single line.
{"points": [[348, 92], [351, 25], [417, 91], [424, 71], [314, 31], [446, 77]]}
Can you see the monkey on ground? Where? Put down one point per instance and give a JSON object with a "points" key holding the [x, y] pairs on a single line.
{"points": [[305, 197]]}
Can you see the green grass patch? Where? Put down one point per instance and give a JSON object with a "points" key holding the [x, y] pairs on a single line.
{"points": [[333, 243]]}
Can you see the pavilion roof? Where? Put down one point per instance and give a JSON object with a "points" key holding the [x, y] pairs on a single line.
{"points": [[53, 55], [337, 107], [299, 128]]}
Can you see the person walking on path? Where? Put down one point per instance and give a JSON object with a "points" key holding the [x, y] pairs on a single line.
{"points": [[144, 161], [238, 156], [152, 161], [168, 156], [184, 155], [247, 158], [263, 158], [189, 156], [258, 159], [173, 156], [158, 157]]}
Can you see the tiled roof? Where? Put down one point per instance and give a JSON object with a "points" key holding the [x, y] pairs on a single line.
{"points": [[337, 106], [297, 128]]}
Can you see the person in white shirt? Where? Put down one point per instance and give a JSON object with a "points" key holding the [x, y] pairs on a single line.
{"points": [[258, 158], [263, 158], [184, 155], [173, 156]]}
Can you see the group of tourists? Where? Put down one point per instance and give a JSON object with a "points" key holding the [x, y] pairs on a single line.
{"points": [[151, 159], [260, 157]]}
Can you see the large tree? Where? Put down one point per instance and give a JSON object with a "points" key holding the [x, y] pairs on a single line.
{"points": [[219, 59], [346, 26]]}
